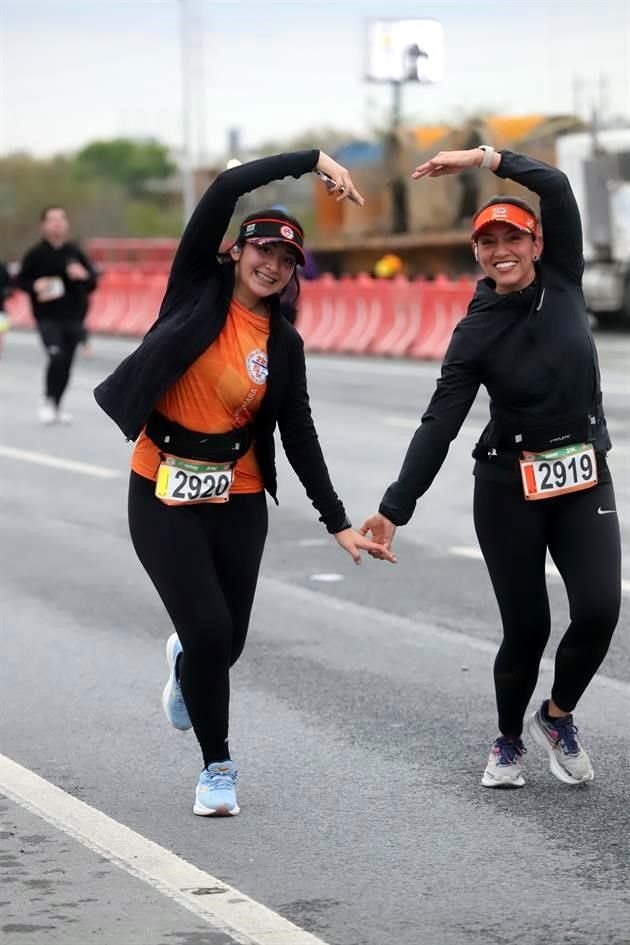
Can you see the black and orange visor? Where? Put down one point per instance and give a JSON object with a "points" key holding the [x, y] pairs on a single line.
{"points": [[269, 230]]}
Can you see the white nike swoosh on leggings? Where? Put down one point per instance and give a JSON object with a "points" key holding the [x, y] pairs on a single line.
{"points": [[602, 511]]}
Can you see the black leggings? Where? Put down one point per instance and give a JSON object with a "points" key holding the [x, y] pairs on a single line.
{"points": [[60, 339], [204, 562], [581, 532]]}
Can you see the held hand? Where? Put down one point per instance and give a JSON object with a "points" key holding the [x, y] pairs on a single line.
{"points": [[382, 529], [344, 188], [448, 162], [353, 542], [76, 271]]}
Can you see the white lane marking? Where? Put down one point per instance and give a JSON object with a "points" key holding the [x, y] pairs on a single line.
{"points": [[311, 542], [224, 906], [414, 630], [466, 551], [326, 578], [44, 459]]}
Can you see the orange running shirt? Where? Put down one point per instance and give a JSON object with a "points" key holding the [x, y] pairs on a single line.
{"points": [[221, 390]]}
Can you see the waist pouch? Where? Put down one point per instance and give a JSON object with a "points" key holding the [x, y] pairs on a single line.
{"points": [[507, 433], [190, 444]]}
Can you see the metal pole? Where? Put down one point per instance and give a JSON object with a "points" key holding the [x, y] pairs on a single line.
{"points": [[398, 190], [188, 182], [396, 103]]}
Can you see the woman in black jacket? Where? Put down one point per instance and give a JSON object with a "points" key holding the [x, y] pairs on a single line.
{"points": [[201, 397], [526, 337]]}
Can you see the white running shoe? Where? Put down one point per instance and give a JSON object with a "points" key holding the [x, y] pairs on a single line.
{"points": [[567, 759], [504, 764], [216, 791], [64, 417], [172, 698], [47, 412]]}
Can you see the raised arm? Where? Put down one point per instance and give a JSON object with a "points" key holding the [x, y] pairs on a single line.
{"points": [[206, 228], [562, 228], [559, 214]]}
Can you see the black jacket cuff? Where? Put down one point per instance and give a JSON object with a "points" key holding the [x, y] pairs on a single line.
{"points": [[337, 524]]}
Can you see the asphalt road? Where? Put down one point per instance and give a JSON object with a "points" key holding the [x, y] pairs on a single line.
{"points": [[362, 711]]}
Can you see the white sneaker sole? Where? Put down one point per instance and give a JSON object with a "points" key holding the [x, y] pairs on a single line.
{"points": [[554, 765], [219, 812], [168, 688], [489, 780]]}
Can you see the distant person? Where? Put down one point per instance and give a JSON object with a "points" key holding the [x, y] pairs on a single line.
{"points": [[542, 483], [58, 277], [5, 292], [202, 396], [310, 270]]}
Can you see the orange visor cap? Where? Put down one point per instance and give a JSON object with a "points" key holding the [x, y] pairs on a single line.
{"points": [[505, 213]]}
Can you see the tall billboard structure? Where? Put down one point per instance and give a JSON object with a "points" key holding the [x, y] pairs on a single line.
{"points": [[405, 51], [400, 51]]}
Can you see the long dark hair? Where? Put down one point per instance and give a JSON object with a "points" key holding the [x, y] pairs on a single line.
{"points": [[289, 296]]}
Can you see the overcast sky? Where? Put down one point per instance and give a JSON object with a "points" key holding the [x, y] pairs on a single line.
{"points": [[77, 70]]}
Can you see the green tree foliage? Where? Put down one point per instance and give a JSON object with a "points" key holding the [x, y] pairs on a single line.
{"points": [[126, 162], [143, 218], [102, 198], [29, 184]]}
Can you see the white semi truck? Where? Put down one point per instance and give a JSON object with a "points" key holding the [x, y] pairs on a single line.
{"points": [[598, 166]]}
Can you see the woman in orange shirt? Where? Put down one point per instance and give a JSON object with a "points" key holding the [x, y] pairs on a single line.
{"points": [[201, 397]]}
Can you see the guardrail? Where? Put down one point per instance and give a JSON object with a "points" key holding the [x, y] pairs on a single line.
{"points": [[351, 315]]}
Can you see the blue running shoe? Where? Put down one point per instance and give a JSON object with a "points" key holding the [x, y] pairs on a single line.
{"points": [[172, 697], [216, 791], [504, 764], [559, 737]]}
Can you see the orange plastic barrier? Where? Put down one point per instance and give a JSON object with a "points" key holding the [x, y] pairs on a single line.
{"points": [[375, 316], [443, 305], [125, 303], [18, 308], [403, 317], [351, 315]]}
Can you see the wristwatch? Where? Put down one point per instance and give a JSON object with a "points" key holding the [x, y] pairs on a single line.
{"points": [[488, 152]]}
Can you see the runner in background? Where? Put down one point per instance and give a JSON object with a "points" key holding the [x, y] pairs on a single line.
{"points": [[58, 277], [5, 292], [201, 396], [541, 479]]}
